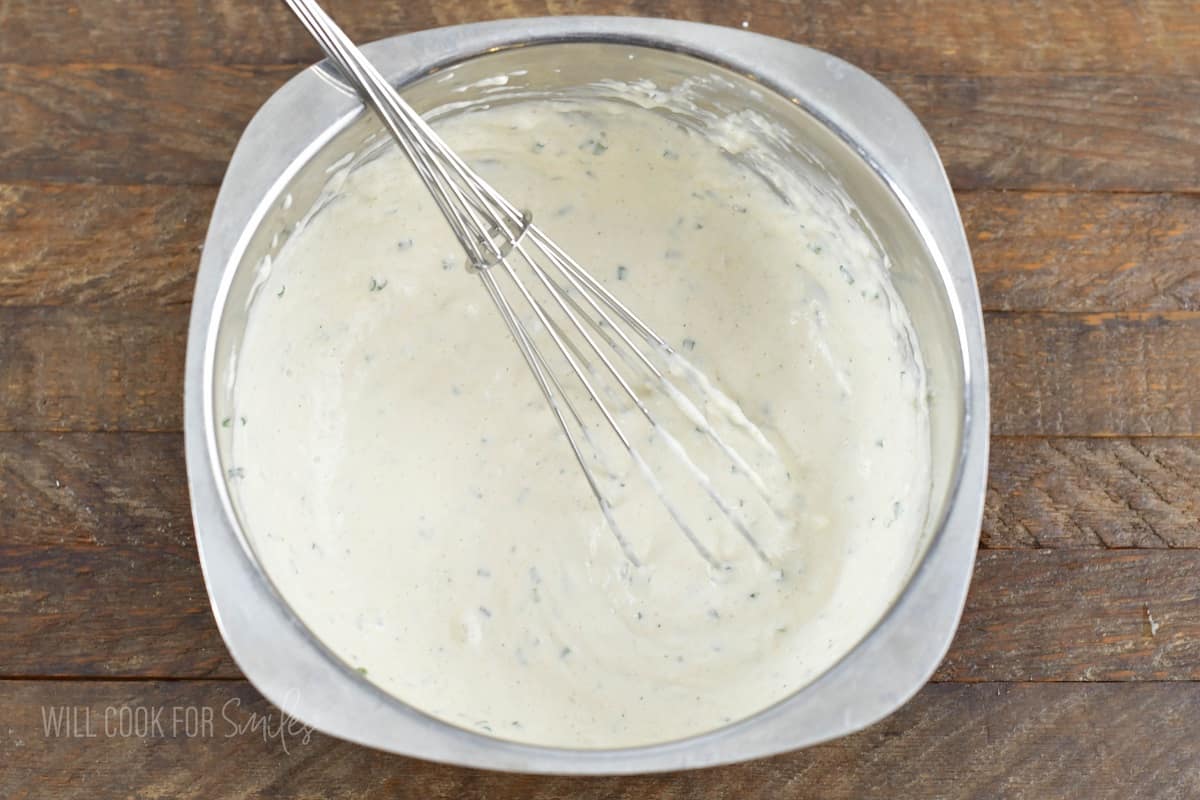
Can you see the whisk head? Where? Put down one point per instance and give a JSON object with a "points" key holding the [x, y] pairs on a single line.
{"points": [[653, 436]]}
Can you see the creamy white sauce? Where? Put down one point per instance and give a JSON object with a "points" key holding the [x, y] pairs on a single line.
{"points": [[406, 489]]}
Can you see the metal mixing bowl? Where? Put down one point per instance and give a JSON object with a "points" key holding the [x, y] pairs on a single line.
{"points": [[849, 125]]}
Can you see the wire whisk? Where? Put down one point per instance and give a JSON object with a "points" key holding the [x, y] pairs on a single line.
{"points": [[587, 351]]}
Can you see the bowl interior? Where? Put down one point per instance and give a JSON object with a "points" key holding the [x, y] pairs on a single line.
{"points": [[814, 147]]}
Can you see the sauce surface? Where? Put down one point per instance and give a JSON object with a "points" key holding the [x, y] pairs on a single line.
{"points": [[406, 489]]}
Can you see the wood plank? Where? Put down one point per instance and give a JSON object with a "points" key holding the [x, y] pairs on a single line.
{"points": [[98, 573], [111, 245], [80, 610], [1074, 132], [1118, 374], [144, 124], [952, 741], [1130, 374], [126, 124], [98, 566], [1084, 252], [1078, 493], [1079, 615], [100, 244], [74, 367], [95, 491], [1098, 35]]}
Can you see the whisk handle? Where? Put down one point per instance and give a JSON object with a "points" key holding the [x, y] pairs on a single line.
{"points": [[357, 70], [480, 218]]}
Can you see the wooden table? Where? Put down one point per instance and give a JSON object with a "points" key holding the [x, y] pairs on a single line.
{"points": [[1071, 133]]}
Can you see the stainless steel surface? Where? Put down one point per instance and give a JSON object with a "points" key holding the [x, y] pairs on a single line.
{"points": [[852, 127], [569, 307]]}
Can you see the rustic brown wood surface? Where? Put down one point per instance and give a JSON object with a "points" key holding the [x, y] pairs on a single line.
{"points": [[1071, 133], [953, 740], [1156, 37]]}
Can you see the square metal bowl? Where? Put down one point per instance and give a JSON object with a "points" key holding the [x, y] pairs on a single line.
{"points": [[851, 126]]}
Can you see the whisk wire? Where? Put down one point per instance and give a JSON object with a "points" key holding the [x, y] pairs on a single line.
{"points": [[550, 386], [493, 232]]}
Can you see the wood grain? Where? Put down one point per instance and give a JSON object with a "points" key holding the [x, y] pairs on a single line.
{"points": [[97, 559], [126, 124], [951, 741], [128, 611], [1095, 35], [1109, 374], [1079, 615], [1084, 252], [1075, 132], [145, 124], [112, 245], [98, 574], [82, 368], [95, 491], [1078, 493], [108, 245]]}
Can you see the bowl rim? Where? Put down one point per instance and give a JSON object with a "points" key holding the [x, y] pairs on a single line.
{"points": [[292, 668]]}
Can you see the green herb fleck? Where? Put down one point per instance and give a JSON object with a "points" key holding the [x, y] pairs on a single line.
{"points": [[670, 155], [225, 423], [539, 147], [236, 472], [242, 420], [404, 244], [282, 289], [622, 272], [689, 344], [597, 146], [815, 248], [377, 286], [362, 670], [846, 274]]}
